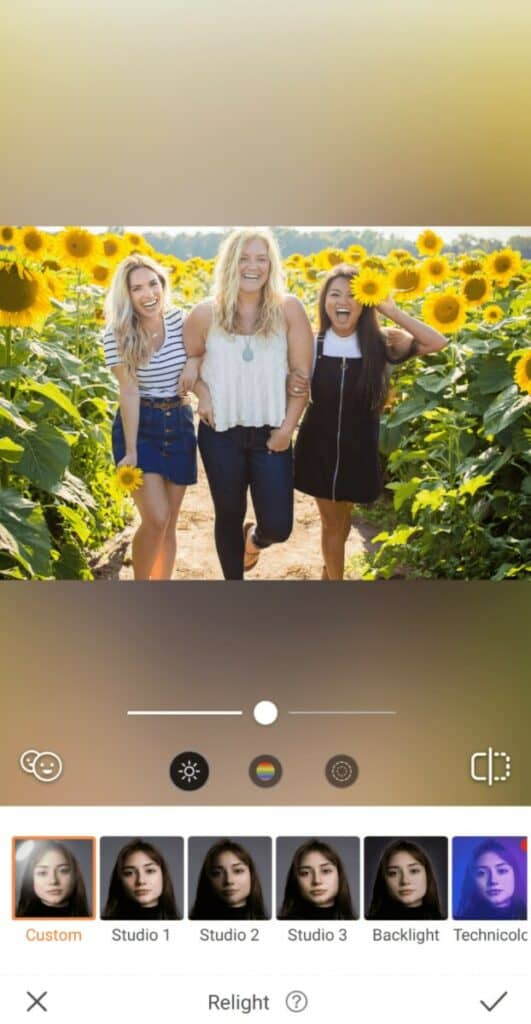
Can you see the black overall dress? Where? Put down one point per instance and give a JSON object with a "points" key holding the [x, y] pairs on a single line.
{"points": [[336, 454]]}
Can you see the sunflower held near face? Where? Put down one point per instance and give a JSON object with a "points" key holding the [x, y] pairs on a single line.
{"points": [[129, 478], [24, 297], [522, 372], [370, 287], [446, 311]]}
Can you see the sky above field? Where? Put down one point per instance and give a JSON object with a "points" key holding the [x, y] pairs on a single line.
{"points": [[411, 233]]}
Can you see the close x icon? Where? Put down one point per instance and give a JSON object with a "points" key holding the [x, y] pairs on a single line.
{"points": [[37, 1001]]}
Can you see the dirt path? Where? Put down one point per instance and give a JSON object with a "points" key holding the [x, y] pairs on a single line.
{"points": [[298, 559]]}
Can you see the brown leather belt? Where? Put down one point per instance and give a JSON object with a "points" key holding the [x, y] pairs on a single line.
{"points": [[163, 403]]}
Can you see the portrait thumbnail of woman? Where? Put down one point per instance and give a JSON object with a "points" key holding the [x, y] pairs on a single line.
{"points": [[230, 879], [141, 879], [489, 878], [53, 877], [317, 878], [406, 879]]}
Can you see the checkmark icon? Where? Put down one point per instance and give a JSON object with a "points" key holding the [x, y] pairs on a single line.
{"points": [[494, 1005]]}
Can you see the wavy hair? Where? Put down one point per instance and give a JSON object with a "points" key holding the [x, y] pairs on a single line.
{"points": [[132, 340], [383, 906], [295, 906], [373, 382], [119, 904], [472, 905], [227, 282], [28, 901], [208, 905]]}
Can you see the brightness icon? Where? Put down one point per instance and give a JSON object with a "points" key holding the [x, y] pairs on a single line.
{"points": [[189, 770]]}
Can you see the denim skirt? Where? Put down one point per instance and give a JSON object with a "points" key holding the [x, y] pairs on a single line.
{"points": [[166, 442]]}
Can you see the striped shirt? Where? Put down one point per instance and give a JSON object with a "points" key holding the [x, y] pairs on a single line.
{"points": [[160, 378]]}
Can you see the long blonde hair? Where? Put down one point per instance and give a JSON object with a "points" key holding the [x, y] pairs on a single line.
{"points": [[132, 341], [227, 282]]}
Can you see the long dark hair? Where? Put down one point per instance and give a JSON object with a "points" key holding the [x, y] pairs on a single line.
{"points": [[119, 904], [207, 904], [383, 906], [373, 378], [473, 906], [294, 905], [29, 903]]}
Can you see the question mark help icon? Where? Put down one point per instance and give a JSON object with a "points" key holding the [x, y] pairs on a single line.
{"points": [[296, 1001]]}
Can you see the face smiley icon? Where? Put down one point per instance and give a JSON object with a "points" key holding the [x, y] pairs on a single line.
{"points": [[45, 765], [27, 760]]}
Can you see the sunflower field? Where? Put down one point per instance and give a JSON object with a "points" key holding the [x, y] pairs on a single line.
{"points": [[456, 430]]}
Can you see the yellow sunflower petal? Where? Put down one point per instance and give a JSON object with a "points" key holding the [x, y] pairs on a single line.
{"points": [[370, 287], [429, 243], [476, 289], [522, 372], [129, 478], [446, 311], [24, 296], [493, 314]]}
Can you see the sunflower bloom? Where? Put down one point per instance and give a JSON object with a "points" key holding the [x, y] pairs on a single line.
{"points": [[437, 268], [370, 287], [399, 254], [112, 247], [429, 243], [522, 371], [470, 265], [8, 235], [446, 311], [493, 314], [356, 253], [129, 478], [477, 290], [135, 242], [101, 274], [32, 242], [503, 264], [78, 247], [372, 263], [408, 281], [330, 258], [24, 297]]}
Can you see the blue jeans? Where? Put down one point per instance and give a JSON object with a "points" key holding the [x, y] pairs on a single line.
{"points": [[234, 460]]}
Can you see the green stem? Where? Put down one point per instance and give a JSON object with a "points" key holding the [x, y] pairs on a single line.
{"points": [[4, 468], [77, 344]]}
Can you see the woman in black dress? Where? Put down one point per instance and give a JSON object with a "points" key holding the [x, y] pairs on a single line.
{"points": [[336, 454]]}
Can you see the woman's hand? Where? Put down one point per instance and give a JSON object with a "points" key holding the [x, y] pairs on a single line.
{"points": [[298, 384], [130, 459], [388, 307], [279, 439], [205, 409], [189, 375]]}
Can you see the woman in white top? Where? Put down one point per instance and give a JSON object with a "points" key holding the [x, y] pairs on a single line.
{"points": [[153, 428], [249, 337]]}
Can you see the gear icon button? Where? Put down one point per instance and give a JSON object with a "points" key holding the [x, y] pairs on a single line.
{"points": [[341, 771]]}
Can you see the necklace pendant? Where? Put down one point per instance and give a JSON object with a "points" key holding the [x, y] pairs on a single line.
{"points": [[248, 354]]}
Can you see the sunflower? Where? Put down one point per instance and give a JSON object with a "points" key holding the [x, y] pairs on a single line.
{"points": [[129, 478], [373, 263], [32, 242], [330, 258], [446, 311], [135, 242], [437, 268], [112, 247], [469, 265], [370, 287], [56, 285], [101, 274], [8, 236], [493, 314], [311, 273], [356, 253], [399, 254], [78, 247], [477, 290], [408, 281], [428, 243], [503, 264], [522, 371], [24, 297]]}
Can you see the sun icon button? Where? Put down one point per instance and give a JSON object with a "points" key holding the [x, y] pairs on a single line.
{"points": [[189, 770]]}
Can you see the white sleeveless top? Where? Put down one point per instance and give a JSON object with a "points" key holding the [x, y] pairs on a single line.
{"points": [[246, 392]]}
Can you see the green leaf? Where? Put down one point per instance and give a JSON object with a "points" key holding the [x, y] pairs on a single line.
{"points": [[526, 484], [72, 564], [72, 489], [52, 392], [505, 409], [403, 491], [24, 532], [398, 537], [46, 455], [9, 411], [434, 382], [409, 410], [473, 484], [429, 499], [75, 521], [10, 451], [494, 375]]}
